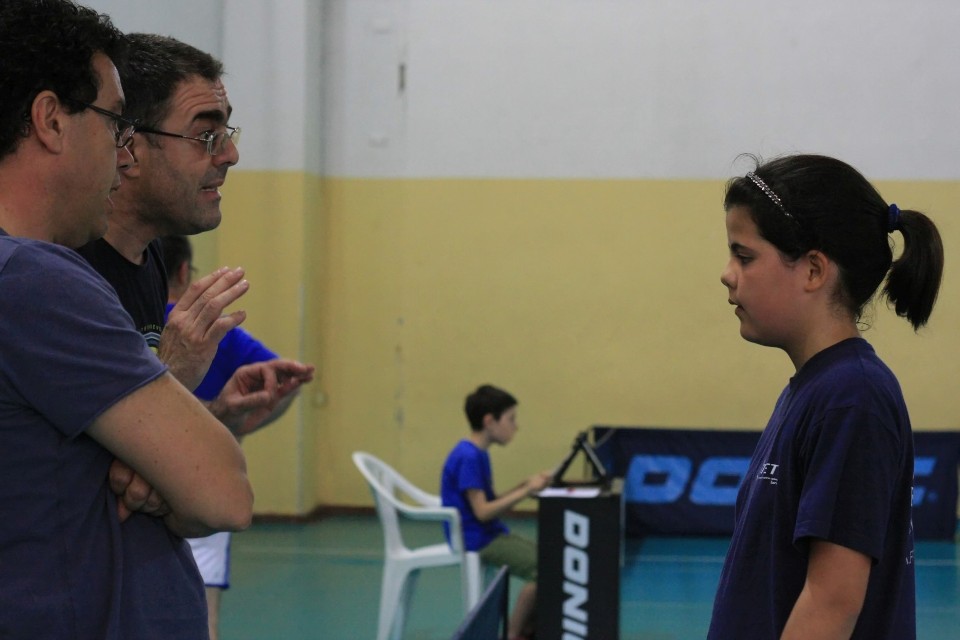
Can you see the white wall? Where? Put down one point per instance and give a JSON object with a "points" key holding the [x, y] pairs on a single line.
{"points": [[273, 54], [196, 22], [639, 88], [576, 88]]}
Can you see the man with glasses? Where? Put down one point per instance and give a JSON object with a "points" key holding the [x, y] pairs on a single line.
{"points": [[171, 186], [78, 385], [182, 149]]}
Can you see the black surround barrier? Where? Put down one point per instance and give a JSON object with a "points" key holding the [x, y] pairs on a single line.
{"points": [[685, 481]]}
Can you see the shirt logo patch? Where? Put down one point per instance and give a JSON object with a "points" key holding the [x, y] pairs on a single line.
{"points": [[151, 333], [768, 473]]}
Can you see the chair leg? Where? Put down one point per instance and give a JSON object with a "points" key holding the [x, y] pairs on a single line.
{"points": [[406, 598], [394, 597], [472, 578]]}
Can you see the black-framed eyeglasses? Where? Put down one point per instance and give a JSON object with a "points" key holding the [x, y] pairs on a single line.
{"points": [[125, 127], [216, 141]]}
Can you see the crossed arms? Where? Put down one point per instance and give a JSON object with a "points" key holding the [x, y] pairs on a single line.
{"points": [[254, 396], [176, 446]]}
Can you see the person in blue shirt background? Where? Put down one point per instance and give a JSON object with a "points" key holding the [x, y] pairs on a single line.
{"points": [[467, 485], [236, 349]]}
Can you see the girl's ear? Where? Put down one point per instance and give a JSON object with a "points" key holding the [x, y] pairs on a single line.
{"points": [[819, 270]]}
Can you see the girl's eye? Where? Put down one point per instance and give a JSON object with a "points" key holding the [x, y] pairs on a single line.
{"points": [[744, 259]]}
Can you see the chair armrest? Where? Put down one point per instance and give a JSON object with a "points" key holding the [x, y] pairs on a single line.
{"points": [[437, 514]]}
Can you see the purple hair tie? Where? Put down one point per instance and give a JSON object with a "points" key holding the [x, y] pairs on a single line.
{"points": [[893, 218]]}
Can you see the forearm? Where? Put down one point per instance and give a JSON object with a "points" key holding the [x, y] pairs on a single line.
{"points": [[257, 393], [198, 518], [186, 528], [219, 411], [239, 429], [280, 409], [235, 423], [816, 619], [832, 596], [492, 509], [176, 446], [189, 374]]}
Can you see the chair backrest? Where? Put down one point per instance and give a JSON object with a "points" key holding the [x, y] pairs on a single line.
{"points": [[387, 486]]}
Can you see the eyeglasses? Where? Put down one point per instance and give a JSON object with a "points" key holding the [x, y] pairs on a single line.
{"points": [[125, 127], [216, 141]]}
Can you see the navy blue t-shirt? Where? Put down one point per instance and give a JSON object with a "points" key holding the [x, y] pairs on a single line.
{"points": [[68, 568], [835, 462], [468, 467]]}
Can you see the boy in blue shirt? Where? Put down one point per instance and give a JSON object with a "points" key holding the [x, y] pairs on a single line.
{"points": [[467, 485]]}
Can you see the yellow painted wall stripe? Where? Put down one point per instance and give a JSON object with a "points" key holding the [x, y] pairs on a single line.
{"points": [[593, 301]]}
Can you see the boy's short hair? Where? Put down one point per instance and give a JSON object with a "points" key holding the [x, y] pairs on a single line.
{"points": [[176, 250], [487, 399]]}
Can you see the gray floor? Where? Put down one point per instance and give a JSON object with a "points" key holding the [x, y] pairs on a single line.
{"points": [[322, 581]]}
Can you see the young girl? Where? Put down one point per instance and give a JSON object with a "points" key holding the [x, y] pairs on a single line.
{"points": [[823, 541]]}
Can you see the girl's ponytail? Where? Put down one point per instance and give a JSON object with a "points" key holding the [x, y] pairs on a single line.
{"points": [[914, 279]]}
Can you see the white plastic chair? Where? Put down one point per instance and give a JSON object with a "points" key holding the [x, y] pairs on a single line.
{"points": [[402, 563]]}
